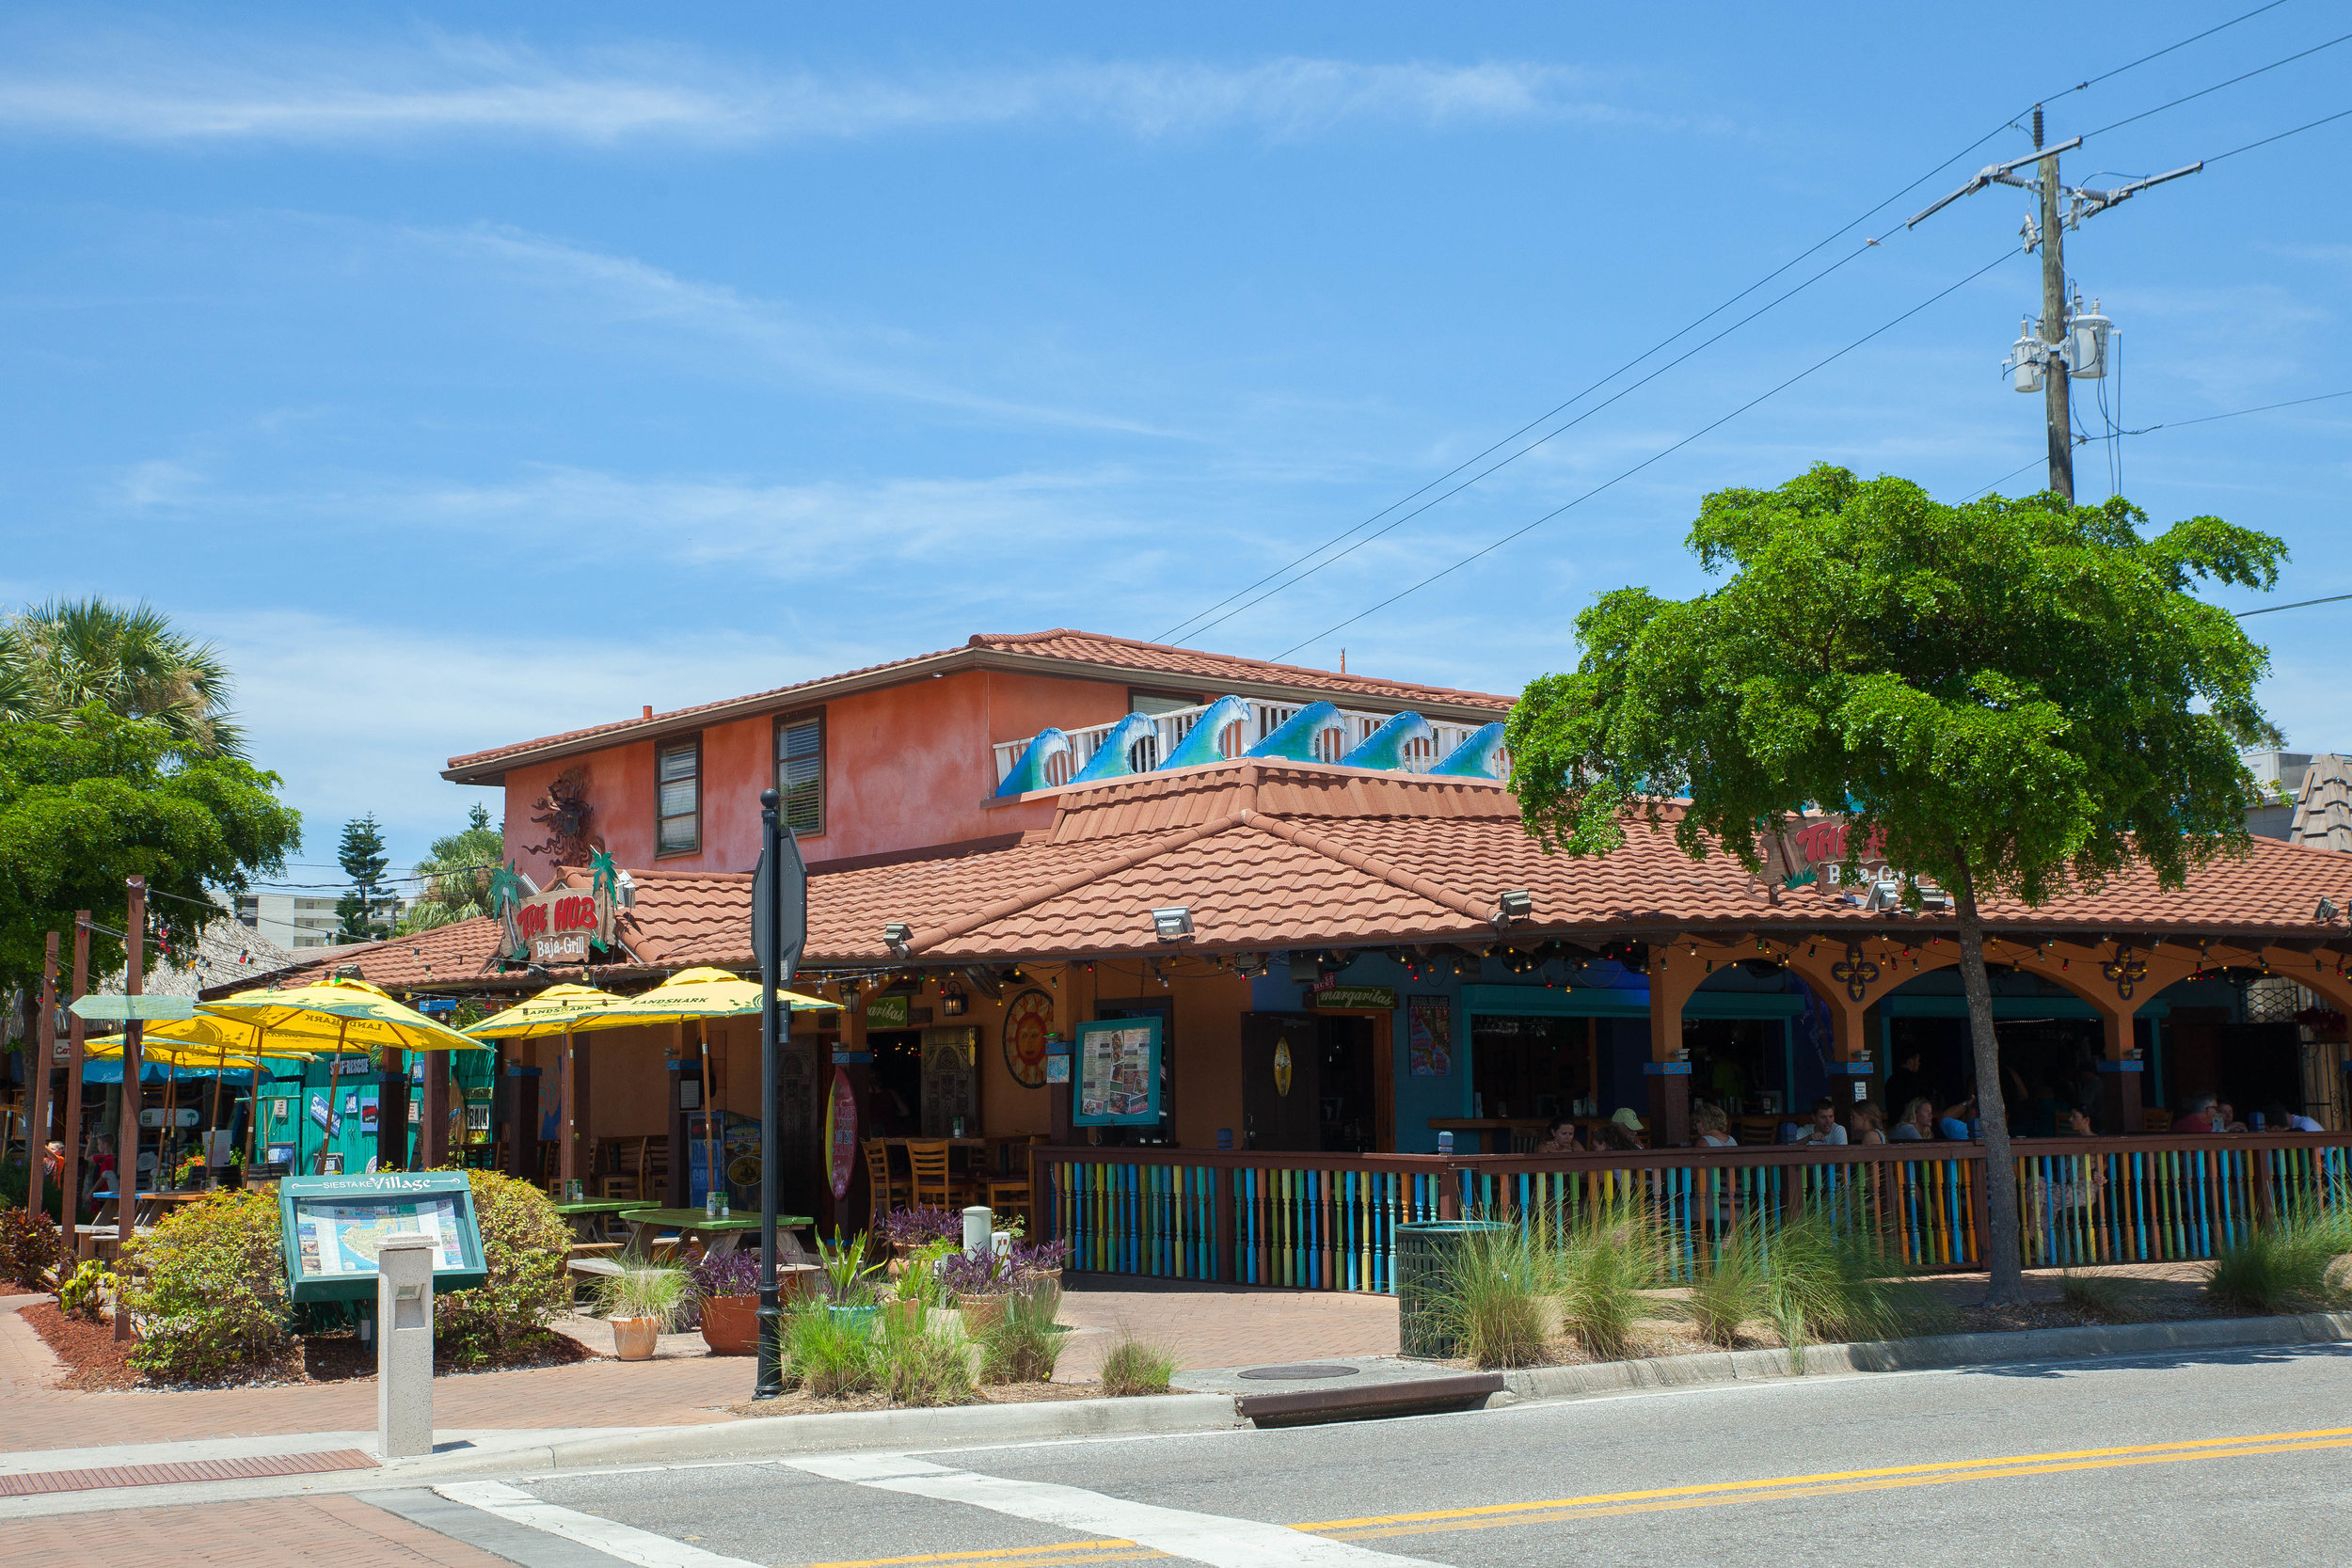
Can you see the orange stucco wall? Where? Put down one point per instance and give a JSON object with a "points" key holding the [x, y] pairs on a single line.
{"points": [[906, 766]]}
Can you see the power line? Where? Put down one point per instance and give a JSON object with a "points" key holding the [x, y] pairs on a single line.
{"points": [[2173, 424], [2280, 137], [1817, 364], [2201, 92], [1194, 625], [2273, 609]]}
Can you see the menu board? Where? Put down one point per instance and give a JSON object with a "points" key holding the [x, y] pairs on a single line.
{"points": [[1119, 1073], [342, 1238]]}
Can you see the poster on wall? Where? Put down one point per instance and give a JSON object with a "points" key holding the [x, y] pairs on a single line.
{"points": [[1119, 1073], [1429, 1037]]}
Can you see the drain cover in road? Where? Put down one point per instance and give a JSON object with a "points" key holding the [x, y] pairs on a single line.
{"points": [[1304, 1370]]}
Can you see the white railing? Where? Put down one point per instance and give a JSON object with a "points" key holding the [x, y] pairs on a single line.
{"points": [[1170, 730]]}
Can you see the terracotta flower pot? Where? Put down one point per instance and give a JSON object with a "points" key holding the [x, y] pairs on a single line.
{"points": [[731, 1324], [981, 1313], [634, 1339]]}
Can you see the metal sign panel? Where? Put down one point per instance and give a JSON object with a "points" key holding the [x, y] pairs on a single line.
{"points": [[780, 909]]}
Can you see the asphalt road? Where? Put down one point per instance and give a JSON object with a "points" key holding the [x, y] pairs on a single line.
{"points": [[2236, 1457]]}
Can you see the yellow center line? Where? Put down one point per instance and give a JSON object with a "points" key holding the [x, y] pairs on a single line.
{"points": [[1009, 1556], [1962, 1468]]}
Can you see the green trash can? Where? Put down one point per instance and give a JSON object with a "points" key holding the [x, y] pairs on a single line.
{"points": [[1424, 1253]]}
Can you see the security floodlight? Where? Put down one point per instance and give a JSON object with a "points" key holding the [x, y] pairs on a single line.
{"points": [[2327, 909], [896, 935], [1516, 905], [1173, 923]]}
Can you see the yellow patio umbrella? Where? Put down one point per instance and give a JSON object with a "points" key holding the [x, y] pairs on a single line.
{"points": [[200, 1044], [558, 1011], [700, 993], [332, 1015]]}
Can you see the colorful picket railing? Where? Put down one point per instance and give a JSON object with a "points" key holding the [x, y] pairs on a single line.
{"points": [[1328, 1222]]}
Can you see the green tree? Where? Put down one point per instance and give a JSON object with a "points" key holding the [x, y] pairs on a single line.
{"points": [[361, 855], [83, 807], [57, 659], [2021, 695], [456, 874]]}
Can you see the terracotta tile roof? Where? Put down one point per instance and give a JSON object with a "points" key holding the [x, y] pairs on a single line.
{"points": [[1117, 657], [1270, 855]]}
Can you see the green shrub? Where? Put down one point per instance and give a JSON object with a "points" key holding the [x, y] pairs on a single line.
{"points": [[1825, 1279], [207, 1289], [829, 1354], [525, 1248], [1494, 1297], [84, 1295], [1134, 1368], [2287, 1264], [1022, 1346], [1731, 1291], [1614, 1252], [29, 1247], [2109, 1297], [916, 1366]]}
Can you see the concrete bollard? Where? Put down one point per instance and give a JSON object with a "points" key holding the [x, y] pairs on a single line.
{"points": [[978, 1223], [403, 1347]]}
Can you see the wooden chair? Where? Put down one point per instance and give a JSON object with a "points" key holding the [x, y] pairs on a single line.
{"points": [[891, 1189], [1009, 1195], [935, 1185], [653, 1165]]}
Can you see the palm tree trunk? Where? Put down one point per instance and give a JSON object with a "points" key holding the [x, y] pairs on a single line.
{"points": [[2003, 1255]]}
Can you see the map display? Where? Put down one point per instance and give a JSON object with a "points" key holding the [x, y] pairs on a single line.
{"points": [[342, 1238]]}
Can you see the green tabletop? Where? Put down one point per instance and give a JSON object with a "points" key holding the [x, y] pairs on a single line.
{"points": [[599, 1206], [695, 1219]]}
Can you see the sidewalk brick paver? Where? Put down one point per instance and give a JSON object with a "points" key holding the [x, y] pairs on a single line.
{"points": [[294, 1532], [1211, 1326]]}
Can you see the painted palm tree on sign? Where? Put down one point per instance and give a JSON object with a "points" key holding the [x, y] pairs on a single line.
{"points": [[58, 657]]}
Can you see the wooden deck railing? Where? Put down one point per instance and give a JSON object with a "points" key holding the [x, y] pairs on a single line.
{"points": [[1327, 1221]]}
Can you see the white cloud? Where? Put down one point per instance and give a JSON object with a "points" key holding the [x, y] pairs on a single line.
{"points": [[211, 89], [635, 292]]}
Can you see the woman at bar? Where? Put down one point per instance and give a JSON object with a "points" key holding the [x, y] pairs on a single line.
{"points": [[1869, 1120], [1561, 1138], [1713, 1126], [1918, 1120]]}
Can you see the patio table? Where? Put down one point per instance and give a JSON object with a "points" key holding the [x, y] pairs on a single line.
{"points": [[145, 1206], [586, 1216], [718, 1236]]}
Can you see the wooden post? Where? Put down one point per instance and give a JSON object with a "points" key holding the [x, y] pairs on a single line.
{"points": [[675, 1190], [1672, 979], [37, 1082], [127, 1148], [1228, 1267], [711, 1172], [334, 1080], [2121, 1104], [71, 1183], [565, 1156], [432, 1137]]}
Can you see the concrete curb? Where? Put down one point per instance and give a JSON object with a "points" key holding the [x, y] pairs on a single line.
{"points": [[757, 1437], [1929, 1352]]}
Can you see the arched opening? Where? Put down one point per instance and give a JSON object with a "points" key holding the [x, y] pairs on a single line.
{"points": [[2051, 1043]]}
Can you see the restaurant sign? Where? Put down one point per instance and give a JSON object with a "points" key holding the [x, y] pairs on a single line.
{"points": [[1355, 999], [1824, 852], [561, 926]]}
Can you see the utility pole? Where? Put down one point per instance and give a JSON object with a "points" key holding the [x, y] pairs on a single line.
{"points": [[70, 1189], [2057, 401], [127, 1149], [2057, 353]]}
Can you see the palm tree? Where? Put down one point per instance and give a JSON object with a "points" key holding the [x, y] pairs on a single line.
{"points": [[58, 657], [456, 872]]}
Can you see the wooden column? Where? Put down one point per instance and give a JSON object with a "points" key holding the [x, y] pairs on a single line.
{"points": [[1673, 974], [41, 1056], [392, 1112], [583, 1109], [432, 1137], [2122, 1098], [676, 1192], [566, 1129], [127, 1149], [522, 1122], [72, 1184]]}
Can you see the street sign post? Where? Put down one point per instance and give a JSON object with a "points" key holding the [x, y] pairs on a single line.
{"points": [[779, 930]]}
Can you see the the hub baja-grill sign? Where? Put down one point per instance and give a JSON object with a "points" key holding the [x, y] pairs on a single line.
{"points": [[564, 926]]}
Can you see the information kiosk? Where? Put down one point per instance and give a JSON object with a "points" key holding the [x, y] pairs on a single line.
{"points": [[334, 1224]]}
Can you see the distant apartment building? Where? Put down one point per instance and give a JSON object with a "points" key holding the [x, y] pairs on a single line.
{"points": [[306, 920]]}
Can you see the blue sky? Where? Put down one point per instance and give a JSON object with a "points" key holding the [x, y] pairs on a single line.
{"points": [[470, 374]]}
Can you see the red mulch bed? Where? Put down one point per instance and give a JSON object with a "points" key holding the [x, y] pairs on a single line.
{"points": [[94, 1362]]}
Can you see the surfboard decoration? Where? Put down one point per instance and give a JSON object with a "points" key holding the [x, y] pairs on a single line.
{"points": [[1475, 758], [841, 1134], [1294, 740], [1029, 772], [1110, 759], [1384, 747], [1200, 745]]}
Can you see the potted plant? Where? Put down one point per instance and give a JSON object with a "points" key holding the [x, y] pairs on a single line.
{"points": [[909, 1230], [918, 1288], [982, 1283], [727, 1286], [849, 1278], [642, 1301]]}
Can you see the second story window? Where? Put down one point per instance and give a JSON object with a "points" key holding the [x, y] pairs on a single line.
{"points": [[678, 769], [801, 772]]}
